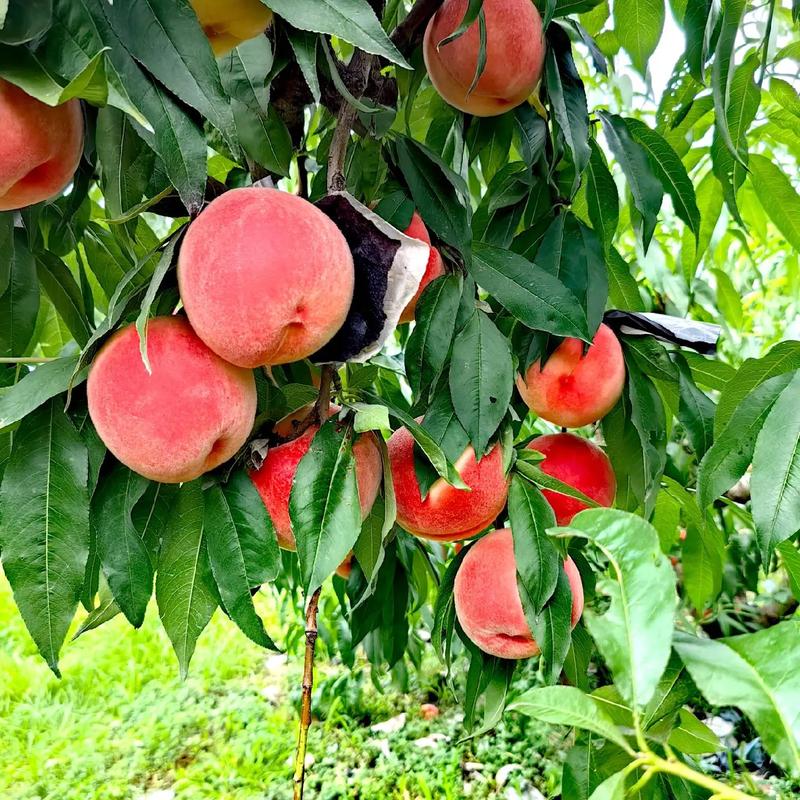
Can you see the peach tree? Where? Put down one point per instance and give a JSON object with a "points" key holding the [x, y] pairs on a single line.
{"points": [[301, 297]]}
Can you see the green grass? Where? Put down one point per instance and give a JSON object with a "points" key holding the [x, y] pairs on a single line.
{"points": [[121, 723]]}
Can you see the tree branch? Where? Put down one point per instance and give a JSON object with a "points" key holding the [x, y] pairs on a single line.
{"points": [[305, 704], [408, 34]]}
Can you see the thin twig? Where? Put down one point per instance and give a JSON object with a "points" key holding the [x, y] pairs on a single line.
{"points": [[305, 705], [27, 360], [408, 34]]}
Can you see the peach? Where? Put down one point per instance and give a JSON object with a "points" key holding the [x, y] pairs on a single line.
{"points": [[571, 389], [191, 413], [515, 51], [434, 268], [447, 514], [487, 600], [275, 477], [228, 23], [40, 147], [580, 464], [265, 277]]}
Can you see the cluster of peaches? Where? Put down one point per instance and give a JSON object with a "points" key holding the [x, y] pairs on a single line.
{"points": [[266, 279]]}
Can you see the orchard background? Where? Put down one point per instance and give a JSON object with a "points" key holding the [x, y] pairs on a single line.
{"points": [[160, 159]]}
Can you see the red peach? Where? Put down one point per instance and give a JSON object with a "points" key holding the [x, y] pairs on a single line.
{"points": [[40, 147], [572, 389], [515, 51], [447, 514], [580, 464], [192, 413], [433, 269], [228, 23], [275, 477], [265, 277], [487, 600]]}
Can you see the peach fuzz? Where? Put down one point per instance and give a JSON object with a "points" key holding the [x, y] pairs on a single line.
{"points": [[580, 464], [265, 277], [192, 413], [447, 514], [275, 477], [433, 269], [515, 49], [572, 389], [228, 23], [40, 147], [487, 600]]}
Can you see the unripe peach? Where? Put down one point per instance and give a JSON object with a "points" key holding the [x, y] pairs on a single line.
{"points": [[40, 147], [434, 268], [572, 389], [580, 464], [193, 411], [447, 514], [515, 50], [265, 277], [228, 23], [275, 477], [487, 600]]}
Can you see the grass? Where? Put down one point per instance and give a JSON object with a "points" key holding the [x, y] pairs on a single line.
{"points": [[121, 724]]}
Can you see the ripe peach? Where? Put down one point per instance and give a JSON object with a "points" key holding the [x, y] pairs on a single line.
{"points": [[447, 514], [579, 463], [228, 23], [193, 411], [487, 601], [275, 476], [433, 269], [572, 389], [40, 147], [265, 277], [515, 50]]}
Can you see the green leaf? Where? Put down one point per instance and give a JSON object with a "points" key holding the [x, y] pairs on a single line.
{"points": [[538, 476], [19, 303], [623, 291], [732, 452], [612, 788], [783, 357], [37, 387], [164, 263], [669, 169], [754, 672], [481, 379], [567, 705], [567, 97], [778, 197], [638, 25], [530, 293], [633, 158], [23, 20], [64, 293], [428, 346], [167, 39], [227, 539], [551, 629], [22, 68], [634, 634], [440, 195], [601, 196], [444, 610], [711, 373], [721, 69], [304, 46], [692, 736], [262, 133], [351, 20], [185, 589], [695, 411], [535, 554], [123, 553], [709, 201], [731, 168], [44, 525], [775, 483], [790, 557], [323, 505], [126, 160]]}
